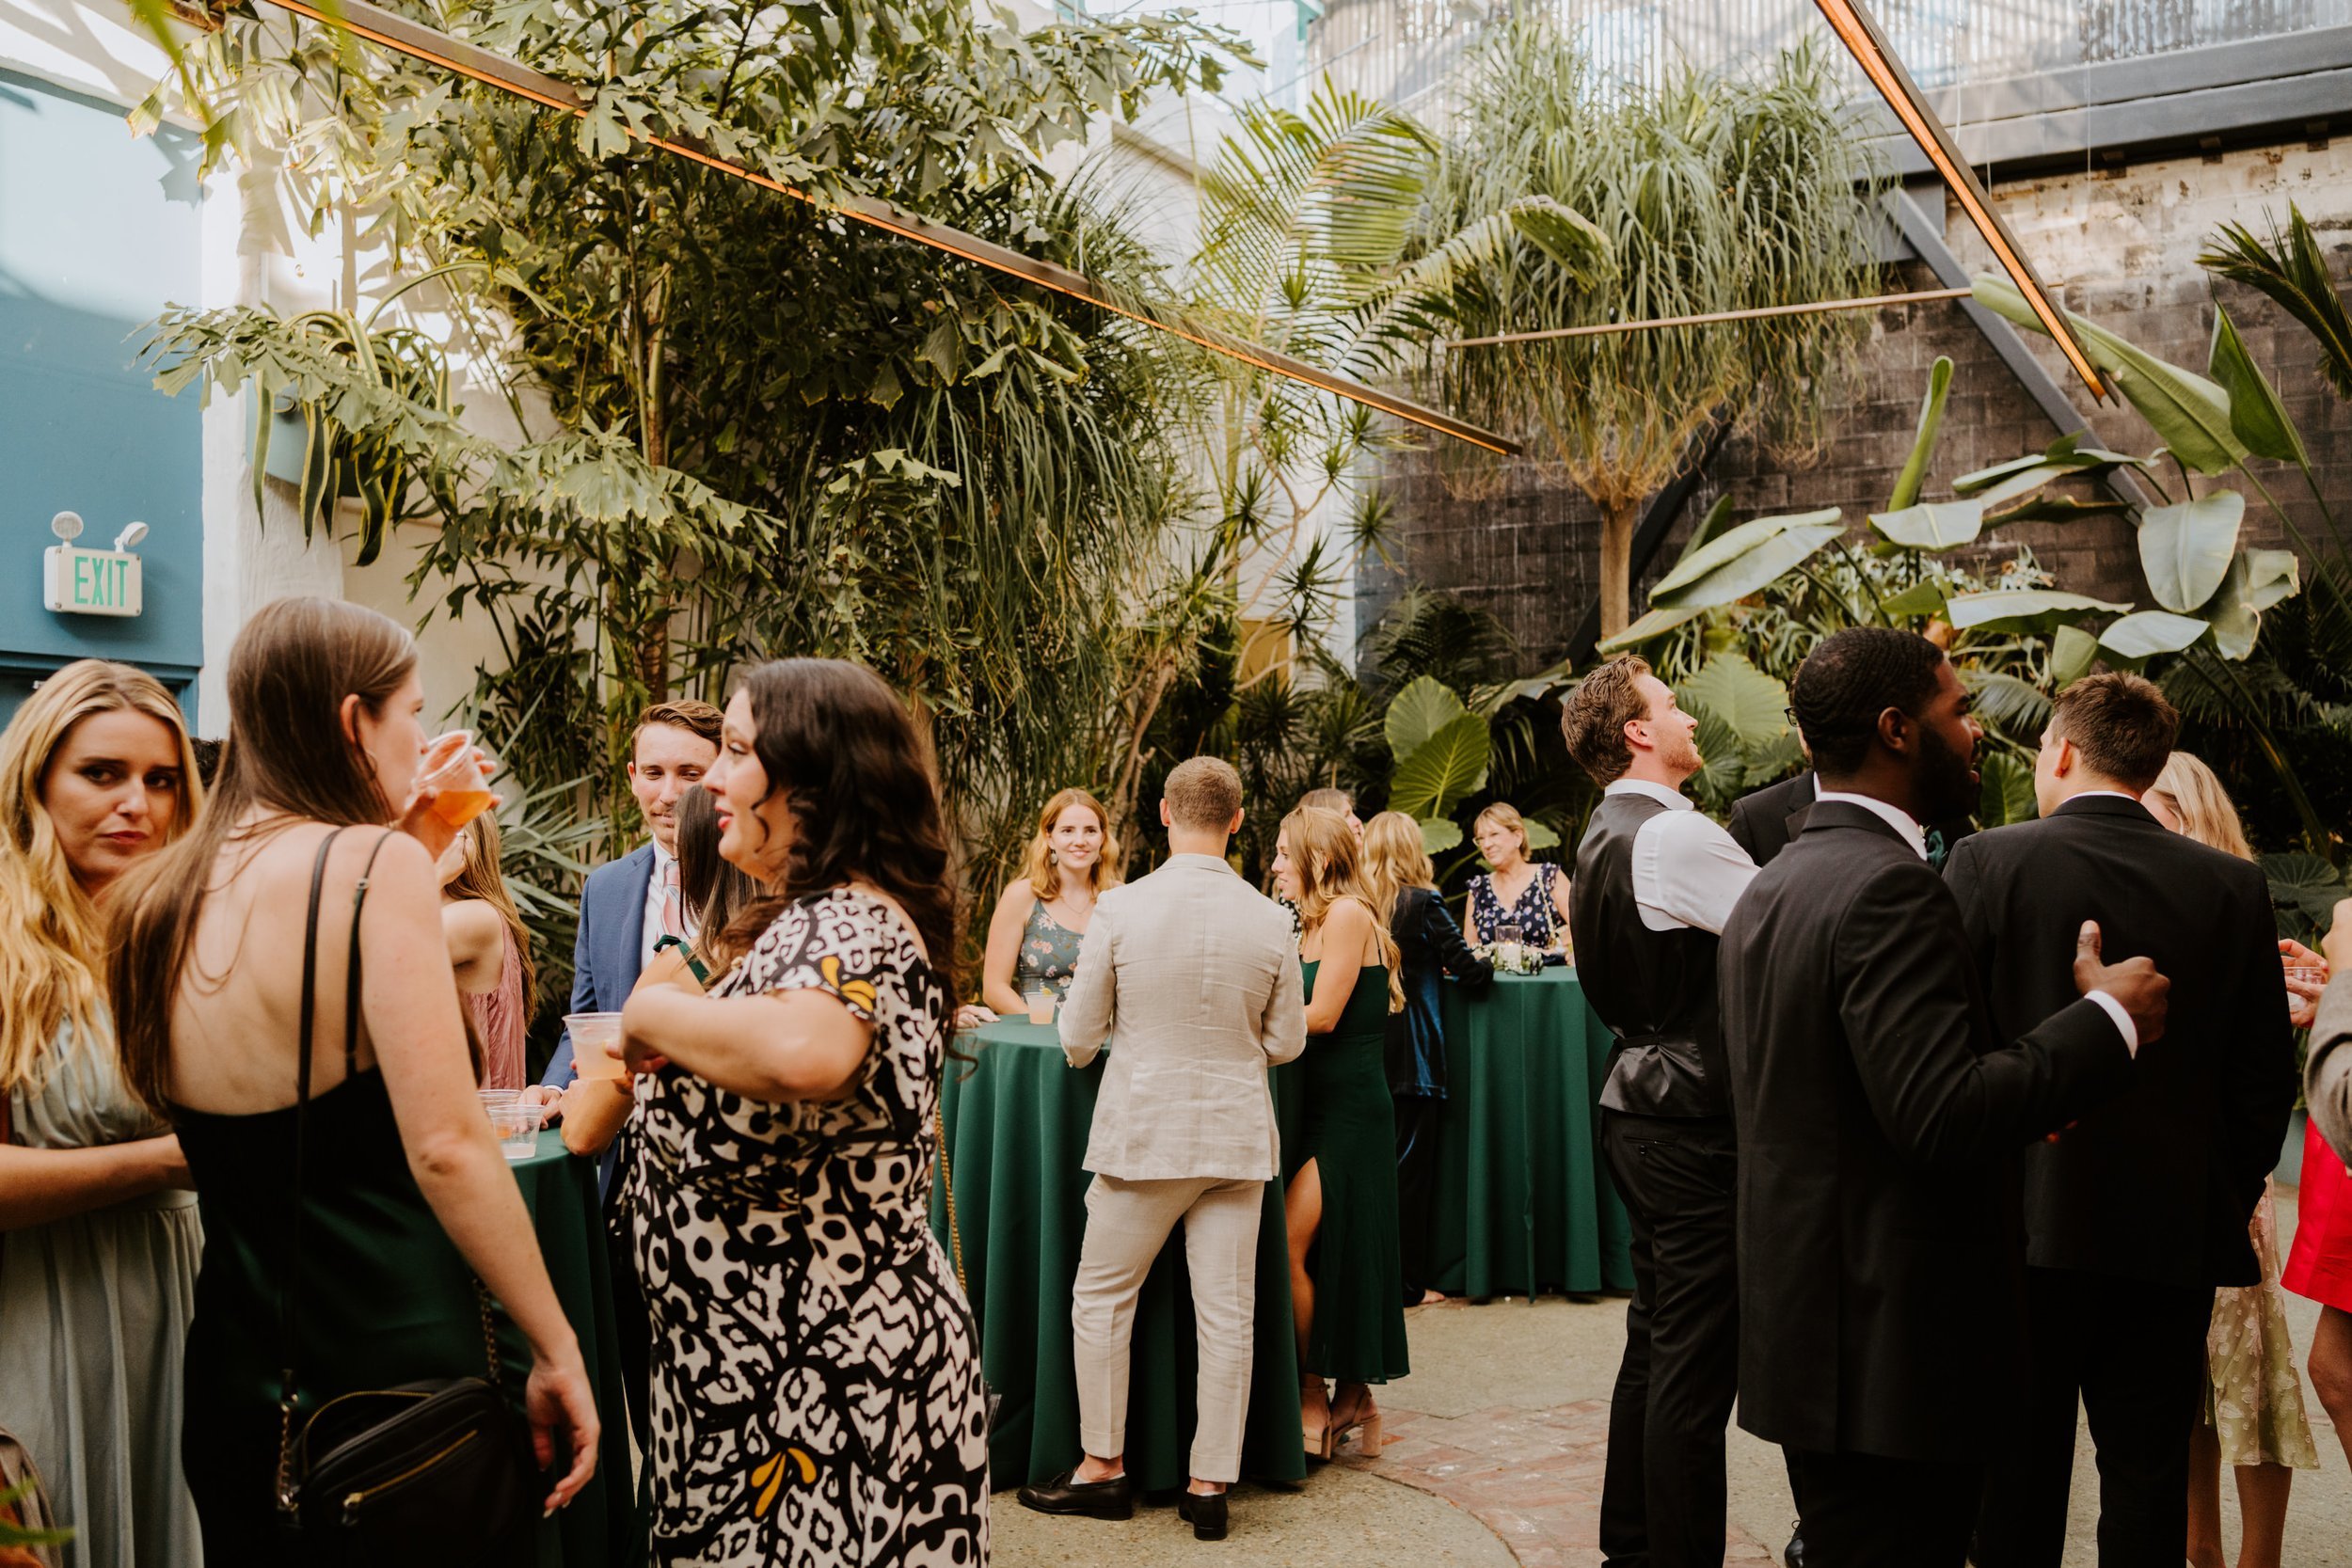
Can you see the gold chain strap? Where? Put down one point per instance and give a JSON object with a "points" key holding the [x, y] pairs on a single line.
{"points": [[948, 1182], [287, 1503], [489, 1331]]}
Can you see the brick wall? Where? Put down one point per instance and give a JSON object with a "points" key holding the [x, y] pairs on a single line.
{"points": [[2120, 249]]}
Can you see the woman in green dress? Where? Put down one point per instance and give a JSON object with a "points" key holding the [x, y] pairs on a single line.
{"points": [[1043, 914], [1346, 1277], [405, 1201], [98, 1274]]}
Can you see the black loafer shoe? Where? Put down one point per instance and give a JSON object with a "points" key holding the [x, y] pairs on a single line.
{"points": [[1113, 1499], [1794, 1554], [1204, 1512]]}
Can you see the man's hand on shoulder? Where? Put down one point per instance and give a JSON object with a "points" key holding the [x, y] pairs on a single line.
{"points": [[2136, 984]]}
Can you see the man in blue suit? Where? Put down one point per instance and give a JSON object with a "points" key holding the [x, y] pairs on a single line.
{"points": [[628, 906], [631, 903]]}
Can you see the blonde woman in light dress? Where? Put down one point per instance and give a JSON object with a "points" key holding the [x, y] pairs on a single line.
{"points": [[2253, 1419], [98, 1266]]}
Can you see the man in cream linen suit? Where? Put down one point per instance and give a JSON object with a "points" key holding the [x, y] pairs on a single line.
{"points": [[1193, 975]]}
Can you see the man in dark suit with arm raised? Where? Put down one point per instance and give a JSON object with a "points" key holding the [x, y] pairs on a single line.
{"points": [[1878, 1110], [2136, 1214]]}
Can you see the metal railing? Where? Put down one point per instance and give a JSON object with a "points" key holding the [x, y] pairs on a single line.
{"points": [[1399, 50]]}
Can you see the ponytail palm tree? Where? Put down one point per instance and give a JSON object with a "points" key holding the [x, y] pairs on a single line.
{"points": [[1710, 192]]}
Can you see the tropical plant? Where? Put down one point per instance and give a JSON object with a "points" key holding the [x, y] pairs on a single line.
{"points": [[1714, 192], [1733, 618], [763, 430]]}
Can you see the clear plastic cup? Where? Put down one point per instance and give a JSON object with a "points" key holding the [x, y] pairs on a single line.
{"points": [[1040, 1006], [463, 794], [596, 1043], [517, 1124]]}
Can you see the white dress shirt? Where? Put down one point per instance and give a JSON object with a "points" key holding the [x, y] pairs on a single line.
{"points": [[1902, 822], [652, 932], [1687, 871]]}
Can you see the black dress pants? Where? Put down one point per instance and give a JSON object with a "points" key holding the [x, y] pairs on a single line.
{"points": [[1417, 1116], [2134, 1352], [1865, 1512], [1662, 1494]]}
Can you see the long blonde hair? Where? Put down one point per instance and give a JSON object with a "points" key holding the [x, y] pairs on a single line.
{"points": [[1037, 864], [1323, 852], [2204, 808], [481, 878], [55, 946], [1394, 858]]}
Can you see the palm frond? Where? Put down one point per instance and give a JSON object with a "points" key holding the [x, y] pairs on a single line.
{"points": [[2291, 271]]}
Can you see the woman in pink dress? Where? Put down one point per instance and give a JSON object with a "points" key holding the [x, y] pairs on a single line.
{"points": [[490, 948]]}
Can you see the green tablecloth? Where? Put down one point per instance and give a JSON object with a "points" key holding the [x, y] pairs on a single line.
{"points": [[1017, 1121], [601, 1526], [1523, 1201]]}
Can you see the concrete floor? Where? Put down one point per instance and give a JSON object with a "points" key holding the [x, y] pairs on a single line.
{"points": [[1524, 1356]]}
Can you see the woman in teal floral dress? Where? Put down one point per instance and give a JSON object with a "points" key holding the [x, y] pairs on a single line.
{"points": [[1033, 937]]}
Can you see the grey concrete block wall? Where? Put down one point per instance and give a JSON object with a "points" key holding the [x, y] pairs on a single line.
{"points": [[2119, 248]]}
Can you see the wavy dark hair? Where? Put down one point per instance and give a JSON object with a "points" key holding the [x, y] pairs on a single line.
{"points": [[714, 890], [838, 746]]}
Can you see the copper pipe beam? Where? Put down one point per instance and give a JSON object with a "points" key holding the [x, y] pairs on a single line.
{"points": [[1711, 318], [1859, 32], [435, 48]]}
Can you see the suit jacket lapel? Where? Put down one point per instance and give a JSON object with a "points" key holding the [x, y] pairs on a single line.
{"points": [[623, 955], [1795, 820]]}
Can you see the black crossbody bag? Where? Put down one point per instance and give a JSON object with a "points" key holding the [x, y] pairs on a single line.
{"points": [[438, 1471]]}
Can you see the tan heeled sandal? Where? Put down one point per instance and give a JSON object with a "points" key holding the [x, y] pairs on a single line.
{"points": [[1365, 1424], [1320, 1440]]}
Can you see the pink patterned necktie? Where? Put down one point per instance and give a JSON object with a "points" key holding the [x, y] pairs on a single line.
{"points": [[673, 904]]}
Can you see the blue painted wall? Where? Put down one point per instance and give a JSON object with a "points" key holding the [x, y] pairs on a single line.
{"points": [[98, 232]]}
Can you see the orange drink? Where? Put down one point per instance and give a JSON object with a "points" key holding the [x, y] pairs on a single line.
{"points": [[458, 807]]}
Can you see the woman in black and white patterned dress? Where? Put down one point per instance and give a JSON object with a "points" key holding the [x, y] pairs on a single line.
{"points": [[815, 1379]]}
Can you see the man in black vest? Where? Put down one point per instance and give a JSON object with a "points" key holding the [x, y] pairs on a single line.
{"points": [[1877, 1110], [2136, 1214], [1655, 882]]}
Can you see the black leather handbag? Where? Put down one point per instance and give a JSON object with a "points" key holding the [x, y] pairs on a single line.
{"points": [[434, 1472]]}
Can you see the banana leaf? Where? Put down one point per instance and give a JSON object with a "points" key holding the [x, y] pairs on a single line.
{"points": [[2021, 608], [2146, 633], [1730, 568], [2255, 412], [2257, 580], [1933, 526], [2185, 548], [2189, 412], [1913, 476]]}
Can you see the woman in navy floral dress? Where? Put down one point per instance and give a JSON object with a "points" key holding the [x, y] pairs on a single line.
{"points": [[816, 1393], [1530, 894]]}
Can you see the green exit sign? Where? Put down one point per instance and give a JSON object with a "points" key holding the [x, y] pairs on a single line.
{"points": [[90, 582]]}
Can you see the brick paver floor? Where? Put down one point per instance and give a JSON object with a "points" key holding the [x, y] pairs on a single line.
{"points": [[1531, 1475]]}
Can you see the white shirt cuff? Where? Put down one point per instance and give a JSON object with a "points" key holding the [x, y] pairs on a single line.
{"points": [[2122, 1019]]}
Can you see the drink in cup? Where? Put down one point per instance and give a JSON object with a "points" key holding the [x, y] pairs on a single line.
{"points": [[458, 807], [596, 1043], [517, 1124], [2307, 974], [461, 794], [1040, 1006]]}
